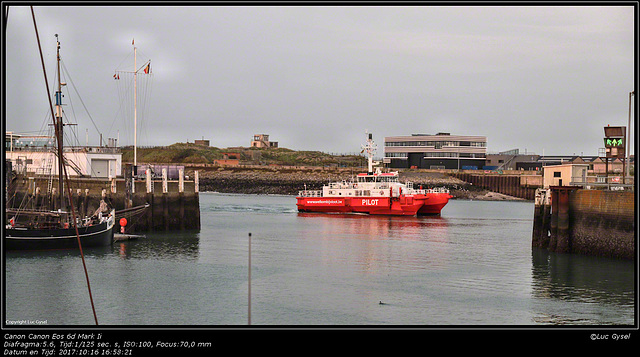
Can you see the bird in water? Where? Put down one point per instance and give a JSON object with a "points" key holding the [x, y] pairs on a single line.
{"points": [[381, 303]]}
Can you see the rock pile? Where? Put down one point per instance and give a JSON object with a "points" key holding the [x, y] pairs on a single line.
{"points": [[288, 181]]}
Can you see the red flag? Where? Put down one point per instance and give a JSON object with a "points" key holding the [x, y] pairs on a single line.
{"points": [[147, 69], [132, 41]]}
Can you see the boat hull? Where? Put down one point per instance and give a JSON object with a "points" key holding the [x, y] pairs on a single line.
{"points": [[434, 205], [409, 205], [65, 238]]}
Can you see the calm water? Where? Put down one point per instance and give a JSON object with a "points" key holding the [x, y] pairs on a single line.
{"points": [[472, 266]]}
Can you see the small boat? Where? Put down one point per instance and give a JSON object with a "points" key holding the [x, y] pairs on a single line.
{"points": [[374, 193], [30, 229]]}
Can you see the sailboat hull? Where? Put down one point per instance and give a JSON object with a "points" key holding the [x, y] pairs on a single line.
{"points": [[97, 235]]}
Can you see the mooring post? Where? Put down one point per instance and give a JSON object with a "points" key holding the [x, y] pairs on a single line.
{"points": [[197, 182], [79, 201], [563, 242], [165, 199], [554, 219], [537, 219], [84, 202], [128, 184], [546, 220], [164, 180], [180, 180], [148, 177]]}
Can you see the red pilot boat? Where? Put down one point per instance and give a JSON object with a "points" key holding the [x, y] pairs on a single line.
{"points": [[374, 193]]}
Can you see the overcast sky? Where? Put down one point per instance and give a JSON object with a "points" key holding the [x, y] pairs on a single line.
{"points": [[542, 79]]}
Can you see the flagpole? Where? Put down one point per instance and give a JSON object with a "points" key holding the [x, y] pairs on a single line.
{"points": [[135, 108]]}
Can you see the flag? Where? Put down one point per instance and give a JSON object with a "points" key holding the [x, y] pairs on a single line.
{"points": [[147, 69], [132, 41], [116, 76]]}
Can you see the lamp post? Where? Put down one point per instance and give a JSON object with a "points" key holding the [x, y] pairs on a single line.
{"points": [[628, 143]]}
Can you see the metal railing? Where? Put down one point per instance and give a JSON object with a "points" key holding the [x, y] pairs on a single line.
{"points": [[310, 193], [431, 190]]}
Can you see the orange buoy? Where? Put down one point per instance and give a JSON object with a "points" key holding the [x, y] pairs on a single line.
{"points": [[123, 222]]}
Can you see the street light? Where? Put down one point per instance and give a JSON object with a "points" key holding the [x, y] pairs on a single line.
{"points": [[628, 143]]}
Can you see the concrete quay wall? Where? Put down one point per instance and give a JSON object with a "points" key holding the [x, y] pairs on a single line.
{"points": [[590, 222], [171, 210], [602, 222]]}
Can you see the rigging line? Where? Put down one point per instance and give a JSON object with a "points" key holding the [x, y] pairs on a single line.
{"points": [[125, 59], [79, 97], [116, 115], [33, 15], [147, 86], [122, 88]]}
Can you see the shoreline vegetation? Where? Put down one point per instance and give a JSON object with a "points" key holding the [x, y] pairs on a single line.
{"points": [[285, 171]]}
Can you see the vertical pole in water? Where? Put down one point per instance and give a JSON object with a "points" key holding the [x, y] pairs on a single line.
{"points": [[249, 301], [135, 108]]}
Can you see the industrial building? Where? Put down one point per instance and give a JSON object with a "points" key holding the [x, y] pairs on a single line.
{"points": [[511, 160], [439, 151]]}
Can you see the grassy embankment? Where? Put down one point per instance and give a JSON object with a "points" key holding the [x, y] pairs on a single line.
{"points": [[189, 153]]}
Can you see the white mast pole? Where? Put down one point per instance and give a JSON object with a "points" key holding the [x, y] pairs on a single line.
{"points": [[135, 108]]}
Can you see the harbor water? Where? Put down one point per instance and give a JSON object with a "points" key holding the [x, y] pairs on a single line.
{"points": [[472, 266]]}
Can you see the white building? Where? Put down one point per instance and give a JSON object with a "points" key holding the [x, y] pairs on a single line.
{"points": [[564, 175], [34, 154]]}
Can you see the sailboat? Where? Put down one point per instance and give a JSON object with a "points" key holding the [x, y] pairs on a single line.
{"points": [[29, 229]]}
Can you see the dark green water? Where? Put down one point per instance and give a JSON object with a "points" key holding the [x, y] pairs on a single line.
{"points": [[473, 266]]}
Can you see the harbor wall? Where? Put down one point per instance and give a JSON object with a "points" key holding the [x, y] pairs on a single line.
{"points": [[170, 210], [590, 222], [519, 185], [603, 221]]}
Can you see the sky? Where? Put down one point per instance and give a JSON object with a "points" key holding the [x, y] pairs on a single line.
{"points": [[542, 79]]}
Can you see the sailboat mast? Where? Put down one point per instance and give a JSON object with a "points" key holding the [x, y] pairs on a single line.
{"points": [[59, 126]]}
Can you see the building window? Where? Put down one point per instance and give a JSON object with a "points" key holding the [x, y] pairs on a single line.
{"points": [[557, 174]]}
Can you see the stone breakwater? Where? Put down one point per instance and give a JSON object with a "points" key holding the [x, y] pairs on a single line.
{"points": [[288, 181]]}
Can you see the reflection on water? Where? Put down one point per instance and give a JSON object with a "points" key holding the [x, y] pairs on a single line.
{"points": [[604, 285], [165, 245], [588, 279], [376, 227], [473, 265]]}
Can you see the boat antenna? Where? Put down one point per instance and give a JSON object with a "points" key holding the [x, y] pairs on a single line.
{"points": [[369, 148]]}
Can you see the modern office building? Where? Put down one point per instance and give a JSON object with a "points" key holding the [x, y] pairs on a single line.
{"points": [[439, 151]]}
